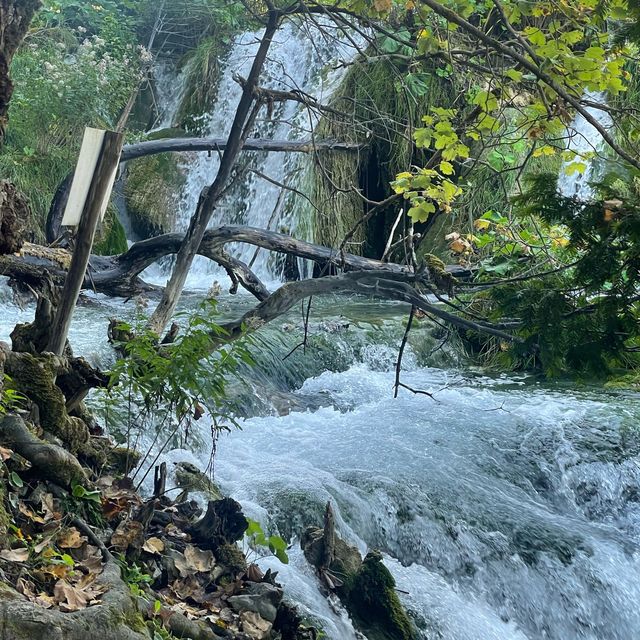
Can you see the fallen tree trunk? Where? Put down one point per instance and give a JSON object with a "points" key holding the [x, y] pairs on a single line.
{"points": [[151, 147], [384, 285], [119, 275]]}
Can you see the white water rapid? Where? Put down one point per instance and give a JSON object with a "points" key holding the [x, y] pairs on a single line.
{"points": [[506, 509]]}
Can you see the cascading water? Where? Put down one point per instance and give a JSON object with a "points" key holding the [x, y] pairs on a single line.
{"points": [[506, 510], [584, 138], [300, 59]]}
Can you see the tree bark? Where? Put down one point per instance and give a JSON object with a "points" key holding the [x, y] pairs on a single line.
{"points": [[15, 17], [151, 147]]}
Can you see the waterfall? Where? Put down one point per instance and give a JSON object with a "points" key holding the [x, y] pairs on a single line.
{"points": [[300, 59], [584, 138]]}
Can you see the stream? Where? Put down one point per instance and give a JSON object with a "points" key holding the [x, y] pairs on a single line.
{"points": [[506, 508]]}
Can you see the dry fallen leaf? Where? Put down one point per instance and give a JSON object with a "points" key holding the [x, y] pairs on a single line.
{"points": [[29, 513], [44, 543], [15, 555], [153, 545], [56, 570], [128, 533], [48, 507], [71, 539], [199, 560], [44, 600], [72, 598], [5, 453]]}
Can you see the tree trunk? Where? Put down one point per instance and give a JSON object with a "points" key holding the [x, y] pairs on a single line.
{"points": [[210, 197], [15, 17], [151, 147]]}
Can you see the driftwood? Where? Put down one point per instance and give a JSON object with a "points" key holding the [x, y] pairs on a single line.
{"points": [[223, 523], [119, 275], [386, 285]]}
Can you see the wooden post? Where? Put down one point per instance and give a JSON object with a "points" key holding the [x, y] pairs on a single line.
{"points": [[99, 190]]}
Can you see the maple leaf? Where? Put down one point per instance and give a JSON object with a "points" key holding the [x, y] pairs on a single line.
{"points": [[153, 545]]}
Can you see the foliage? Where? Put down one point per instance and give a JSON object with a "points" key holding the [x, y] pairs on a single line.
{"points": [[257, 539], [65, 79], [9, 397], [576, 267], [162, 389], [545, 57]]}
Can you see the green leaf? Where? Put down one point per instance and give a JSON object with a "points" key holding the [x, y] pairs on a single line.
{"points": [[78, 491], [446, 168], [16, 480], [514, 75]]}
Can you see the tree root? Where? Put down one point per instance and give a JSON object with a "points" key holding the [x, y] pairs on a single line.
{"points": [[49, 460]]}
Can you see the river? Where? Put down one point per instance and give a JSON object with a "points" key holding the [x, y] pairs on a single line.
{"points": [[507, 508]]}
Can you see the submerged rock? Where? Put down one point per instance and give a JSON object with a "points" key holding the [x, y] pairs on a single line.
{"points": [[371, 599]]}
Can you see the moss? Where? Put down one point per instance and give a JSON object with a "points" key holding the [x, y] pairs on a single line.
{"points": [[373, 601], [123, 460], [34, 378], [151, 193], [436, 268], [231, 556], [380, 116], [111, 239], [201, 84]]}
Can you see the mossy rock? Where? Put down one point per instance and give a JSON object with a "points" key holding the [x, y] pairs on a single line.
{"points": [[111, 238], [123, 460], [230, 556], [371, 599], [152, 189]]}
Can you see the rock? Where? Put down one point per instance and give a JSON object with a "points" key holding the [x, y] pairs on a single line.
{"points": [[371, 599], [190, 478], [289, 625], [255, 626], [231, 557], [123, 460], [346, 560], [259, 597]]}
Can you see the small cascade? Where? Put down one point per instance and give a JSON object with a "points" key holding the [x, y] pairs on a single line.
{"points": [[584, 138], [170, 87], [300, 59]]}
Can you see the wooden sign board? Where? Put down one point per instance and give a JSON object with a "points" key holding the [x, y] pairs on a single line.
{"points": [[92, 142]]}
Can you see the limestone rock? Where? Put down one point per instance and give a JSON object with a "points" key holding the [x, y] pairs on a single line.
{"points": [[259, 597]]}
